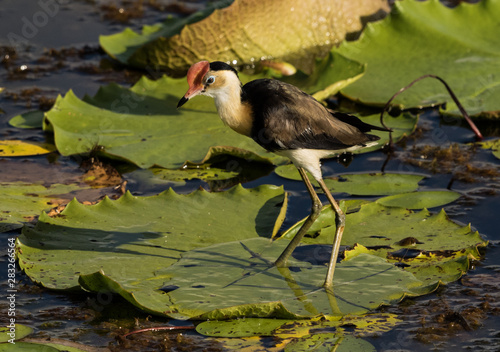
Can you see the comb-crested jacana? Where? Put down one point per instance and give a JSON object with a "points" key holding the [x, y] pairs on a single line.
{"points": [[284, 120]]}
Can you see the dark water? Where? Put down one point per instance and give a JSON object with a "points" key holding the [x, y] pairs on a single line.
{"points": [[33, 29]]}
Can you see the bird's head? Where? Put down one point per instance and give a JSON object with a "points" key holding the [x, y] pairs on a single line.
{"points": [[210, 78]]}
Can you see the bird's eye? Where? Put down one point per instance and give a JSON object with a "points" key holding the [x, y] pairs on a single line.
{"points": [[210, 80]]}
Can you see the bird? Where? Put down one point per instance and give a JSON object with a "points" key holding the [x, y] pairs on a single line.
{"points": [[289, 122]]}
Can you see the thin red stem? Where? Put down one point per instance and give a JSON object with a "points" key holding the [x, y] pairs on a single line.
{"points": [[453, 96]]}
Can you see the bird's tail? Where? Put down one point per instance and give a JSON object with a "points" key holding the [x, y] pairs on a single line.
{"points": [[356, 122]]}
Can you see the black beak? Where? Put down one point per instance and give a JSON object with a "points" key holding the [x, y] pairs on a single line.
{"points": [[182, 102]]}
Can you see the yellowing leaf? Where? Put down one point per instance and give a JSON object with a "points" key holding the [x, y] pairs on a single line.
{"points": [[24, 148], [494, 145]]}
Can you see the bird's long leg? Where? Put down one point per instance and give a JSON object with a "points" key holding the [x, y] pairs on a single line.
{"points": [[315, 210], [340, 223]]}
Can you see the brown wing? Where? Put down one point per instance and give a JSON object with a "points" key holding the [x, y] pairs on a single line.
{"points": [[287, 118]]}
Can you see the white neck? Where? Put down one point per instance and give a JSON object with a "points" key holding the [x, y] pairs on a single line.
{"points": [[229, 106]]}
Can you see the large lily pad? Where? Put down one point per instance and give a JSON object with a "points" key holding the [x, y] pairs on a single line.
{"points": [[126, 236], [109, 247], [239, 33], [237, 279], [426, 37]]}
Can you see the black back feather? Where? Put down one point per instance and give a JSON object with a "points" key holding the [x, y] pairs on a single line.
{"points": [[287, 118]]}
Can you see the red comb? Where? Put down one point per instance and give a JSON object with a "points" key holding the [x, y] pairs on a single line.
{"points": [[196, 72]]}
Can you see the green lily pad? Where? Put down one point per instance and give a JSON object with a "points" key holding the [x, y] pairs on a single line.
{"points": [[112, 247], [430, 267], [27, 347], [426, 37], [240, 327], [20, 331], [420, 200], [158, 176], [364, 325], [330, 342], [494, 145], [361, 184], [237, 279], [325, 80], [369, 227], [368, 324], [39, 345], [30, 119], [21, 202], [61, 345], [124, 237], [11, 148], [248, 344], [436, 232], [178, 43]]}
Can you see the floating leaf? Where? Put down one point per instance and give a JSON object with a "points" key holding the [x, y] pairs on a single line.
{"points": [[53, 345], [494, 145], [430, 267], [369, 227], [26, 346], [244, 25], [138, 256], [30, 119], [24, 148], [325, 80], [284, 329], [20, 331], [238, 279], [364, 325], [435, 232], [419, 200], [63, 345], [330, 342], [434, 40], [361, 184], [130, 239], [21, 202], [249, 344], [241, 327]]}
